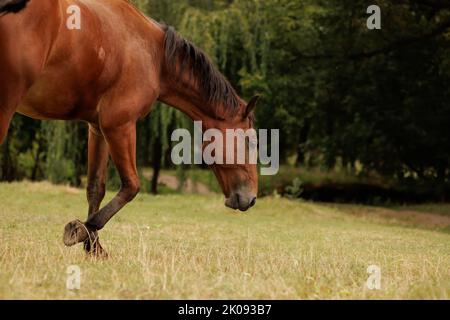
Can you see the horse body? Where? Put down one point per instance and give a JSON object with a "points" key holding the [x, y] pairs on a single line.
{"points": [[108, 74], [79, 69]]}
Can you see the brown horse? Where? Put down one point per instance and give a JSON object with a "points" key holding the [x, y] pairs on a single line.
{"points": [[108, 73]]}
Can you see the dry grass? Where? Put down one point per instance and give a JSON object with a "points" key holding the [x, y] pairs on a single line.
{"points": [[190, 246]]}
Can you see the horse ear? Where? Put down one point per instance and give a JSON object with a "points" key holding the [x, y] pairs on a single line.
{"points": [[251, 105]]}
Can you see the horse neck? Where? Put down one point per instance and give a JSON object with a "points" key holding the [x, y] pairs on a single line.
{"points": [[185, 96]]}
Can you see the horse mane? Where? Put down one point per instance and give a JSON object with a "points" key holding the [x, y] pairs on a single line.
{"points": [[211, 82], [12, 6]]}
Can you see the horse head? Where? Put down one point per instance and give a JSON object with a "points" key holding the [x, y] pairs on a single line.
{"points": [[238, 178]]}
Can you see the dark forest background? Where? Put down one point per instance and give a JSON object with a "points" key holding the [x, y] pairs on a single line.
{"points": [[364, 114]]}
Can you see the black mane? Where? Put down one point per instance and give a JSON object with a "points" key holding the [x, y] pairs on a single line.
{"points": [[212, 83], [12, 6]]}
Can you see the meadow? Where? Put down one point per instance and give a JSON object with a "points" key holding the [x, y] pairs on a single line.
{"points": [[192, 247]]}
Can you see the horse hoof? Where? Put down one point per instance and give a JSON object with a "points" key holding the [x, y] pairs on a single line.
{"points": [[94, 249], [98, 253], [75, 232]]}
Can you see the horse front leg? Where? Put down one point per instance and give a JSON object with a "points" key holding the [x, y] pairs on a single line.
{"points": [[122, 147], [5, 120], [96, 184]]}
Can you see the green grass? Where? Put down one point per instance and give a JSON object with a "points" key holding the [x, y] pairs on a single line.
{"points": [[190, 246]]}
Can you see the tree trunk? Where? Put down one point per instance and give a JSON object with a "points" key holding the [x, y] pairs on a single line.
{"points": [[302, 139], [157, 153], [36, 161]]}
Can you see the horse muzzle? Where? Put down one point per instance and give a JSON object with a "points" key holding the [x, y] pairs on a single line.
{"points": [[240, 201]]}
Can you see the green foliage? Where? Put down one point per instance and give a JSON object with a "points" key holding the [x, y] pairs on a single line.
{"points": [[295, 190], [372, 102], [62, 152]]}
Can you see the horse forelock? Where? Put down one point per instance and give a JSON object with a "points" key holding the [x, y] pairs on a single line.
{"points": [[182, 55]]}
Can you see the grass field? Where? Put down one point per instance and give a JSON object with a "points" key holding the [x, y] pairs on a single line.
{"points": [[190, 246]]}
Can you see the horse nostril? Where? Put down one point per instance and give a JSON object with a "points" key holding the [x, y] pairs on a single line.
{"points": [[253, 202]]}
